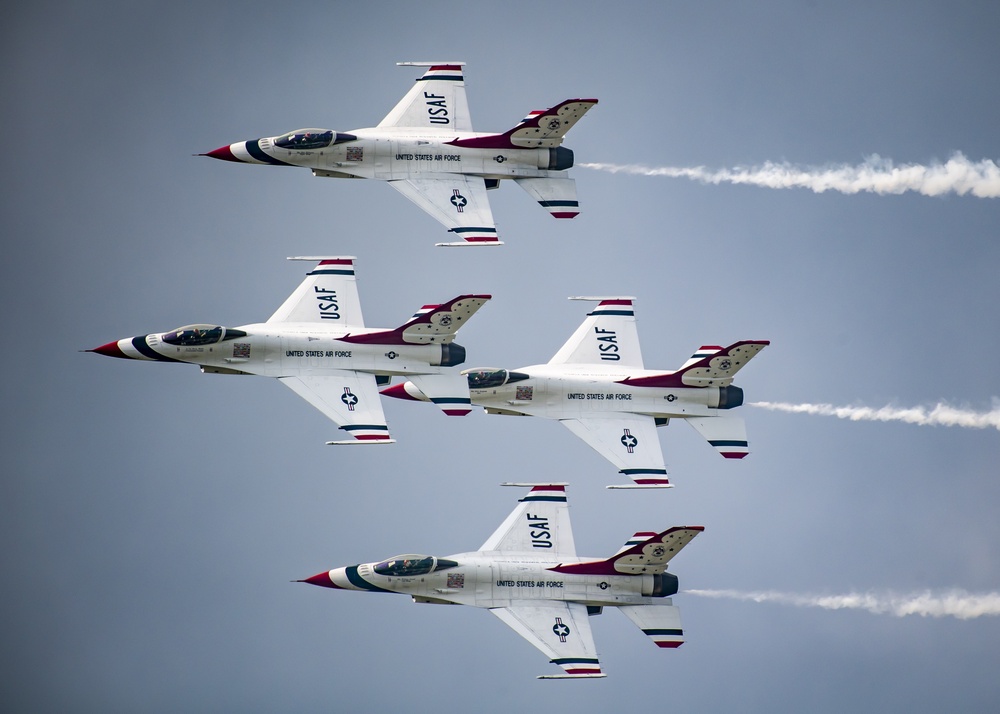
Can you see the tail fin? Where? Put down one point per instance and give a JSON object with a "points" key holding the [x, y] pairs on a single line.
{"points": [[710, 366], [430, 324], [545, 128], [648, 556], [639, 537]]}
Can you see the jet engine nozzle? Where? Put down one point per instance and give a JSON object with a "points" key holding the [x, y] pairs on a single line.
{"points": [[452, 354], [661, 585], [725, 397], [730, 397], [560, 159]]}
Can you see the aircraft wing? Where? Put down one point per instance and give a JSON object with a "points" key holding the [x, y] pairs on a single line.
{"points": [[540, 524], [328, 295], [629, 441], [561, 630], [436, 101], [459, 202], [350, 399], [607, 336]]}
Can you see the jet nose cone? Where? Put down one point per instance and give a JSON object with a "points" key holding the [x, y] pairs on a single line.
{"points": [[110, 350], [224, 153], [397, 390], [321, 579]]}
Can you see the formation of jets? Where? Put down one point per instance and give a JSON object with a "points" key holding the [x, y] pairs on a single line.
{"points": [[597, 387], [527, 573], [426, 149]]}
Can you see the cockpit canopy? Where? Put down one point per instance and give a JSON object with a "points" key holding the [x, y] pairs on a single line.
{"points": [[192, 335], [410, 565], [488, 378], [302, 139]]}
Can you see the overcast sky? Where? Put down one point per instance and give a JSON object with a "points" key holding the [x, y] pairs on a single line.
{"points": [[153, 517]]}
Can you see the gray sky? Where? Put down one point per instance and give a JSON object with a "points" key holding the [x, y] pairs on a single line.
{"points": [[153, 517]]}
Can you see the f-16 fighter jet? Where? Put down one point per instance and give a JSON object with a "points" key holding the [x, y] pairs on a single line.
{"points": [[597, 386], [528, 574], [317, 345], [426, 149]]}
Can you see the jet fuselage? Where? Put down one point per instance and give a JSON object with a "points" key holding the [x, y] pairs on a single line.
{"points": [[280, 349], [497, 580], [574, 391], [399, 153]]}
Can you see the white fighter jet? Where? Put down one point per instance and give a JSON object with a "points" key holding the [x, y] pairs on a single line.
{"points": [[597, 386], [317, 345], [426, 149], [528, 574]]}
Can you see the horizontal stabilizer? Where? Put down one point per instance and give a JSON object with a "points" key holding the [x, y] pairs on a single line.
{"points": [[555, 195], [432, 324], [450, 391], [661, 623], [727, 434]]}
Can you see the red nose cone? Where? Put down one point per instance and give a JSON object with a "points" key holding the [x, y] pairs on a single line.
{"points": [[224, 153], [399, 392], [321, 579], [110, 350]]}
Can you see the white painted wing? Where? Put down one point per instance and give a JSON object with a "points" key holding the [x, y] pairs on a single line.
{"points": [[608, 336], [629, 441], [436, 102], [328, 295], [561, 630], [349, 398], [539, 524], [459, 202]]}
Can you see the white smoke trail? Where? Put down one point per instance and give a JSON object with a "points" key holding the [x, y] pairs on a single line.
{"points": [[939, 415], [953, 603], [875, 175]]}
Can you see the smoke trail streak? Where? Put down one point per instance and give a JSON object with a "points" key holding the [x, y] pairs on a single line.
{"points": [[953, 603], [875, 175], [939, 415]]}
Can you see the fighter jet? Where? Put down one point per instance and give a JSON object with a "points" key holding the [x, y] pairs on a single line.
{"points": [[597, 386], [426, 149], [528, 574], [317, 345]]}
